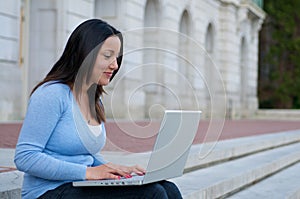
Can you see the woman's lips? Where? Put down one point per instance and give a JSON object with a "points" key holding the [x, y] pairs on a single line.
{"points": [[108, 74]]}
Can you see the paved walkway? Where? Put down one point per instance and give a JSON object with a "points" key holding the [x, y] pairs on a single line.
{"points": [[140, 136], [231, 129]]}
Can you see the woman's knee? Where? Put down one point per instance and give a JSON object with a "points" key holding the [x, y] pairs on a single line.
{"points": [[157, 191], [171, 189]]}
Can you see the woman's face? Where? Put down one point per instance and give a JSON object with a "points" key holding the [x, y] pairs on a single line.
{"points": [[106, 61]]}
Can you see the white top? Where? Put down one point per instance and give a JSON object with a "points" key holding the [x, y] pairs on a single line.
{"points": [[96, 130]]}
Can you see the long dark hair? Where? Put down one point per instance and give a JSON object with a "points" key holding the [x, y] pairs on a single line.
{"points": [[79, 55]]}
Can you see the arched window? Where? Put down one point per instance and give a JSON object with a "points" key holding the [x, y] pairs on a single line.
{"points": [[151, 14], [208, 61], [150, 36], [209, 40], [184, 27], [152, 74], [184, 50]]}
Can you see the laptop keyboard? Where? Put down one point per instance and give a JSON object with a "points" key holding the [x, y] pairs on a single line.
{"points": [[125, 181]]}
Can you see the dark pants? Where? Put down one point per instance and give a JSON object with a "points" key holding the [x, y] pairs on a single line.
{"points": [[159, 190]]}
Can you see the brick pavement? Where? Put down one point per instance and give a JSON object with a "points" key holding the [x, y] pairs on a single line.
{"points": [[140, 136]]}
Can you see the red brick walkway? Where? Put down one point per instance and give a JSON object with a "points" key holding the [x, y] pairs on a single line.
{"points": [[140, 137]]}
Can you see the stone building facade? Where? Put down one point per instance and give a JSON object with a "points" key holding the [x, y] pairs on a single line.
{"points": [[187, 54]]}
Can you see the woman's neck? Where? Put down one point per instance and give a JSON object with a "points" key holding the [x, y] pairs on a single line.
{"points": [[83, 101]]}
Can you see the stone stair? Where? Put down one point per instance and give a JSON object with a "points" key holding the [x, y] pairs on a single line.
{"points": [[229, 177], [249, 167], [234, 168]]}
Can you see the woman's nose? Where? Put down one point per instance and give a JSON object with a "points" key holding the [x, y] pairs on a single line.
{"points": [[114, 64]]}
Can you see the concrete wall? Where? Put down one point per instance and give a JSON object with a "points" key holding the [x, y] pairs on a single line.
{"points": [[10, 74]]}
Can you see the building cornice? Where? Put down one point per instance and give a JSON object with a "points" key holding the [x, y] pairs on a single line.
{"points": [[254, 10]]}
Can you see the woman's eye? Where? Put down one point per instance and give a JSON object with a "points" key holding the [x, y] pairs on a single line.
{"points": [[107, 56]]}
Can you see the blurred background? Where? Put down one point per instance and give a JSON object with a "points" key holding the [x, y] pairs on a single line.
{"points": [[231, 58], [279, 61]]}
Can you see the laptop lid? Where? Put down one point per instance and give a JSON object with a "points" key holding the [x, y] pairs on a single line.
{"points": [[175, 137]]}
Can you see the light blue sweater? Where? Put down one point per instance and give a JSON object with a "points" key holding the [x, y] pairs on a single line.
{"points": [[55, 144]]}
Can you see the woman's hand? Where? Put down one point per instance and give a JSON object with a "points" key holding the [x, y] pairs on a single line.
{"points": [[104, 172], [128, 169], [112, 171]]}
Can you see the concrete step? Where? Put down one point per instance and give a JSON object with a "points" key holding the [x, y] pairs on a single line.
{"points": [[208, 154], [202, 156], [278, 114], [223, 179], [10, 185], [284, 184]]}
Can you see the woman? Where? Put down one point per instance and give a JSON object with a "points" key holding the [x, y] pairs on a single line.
{"points": [[63, 131]]}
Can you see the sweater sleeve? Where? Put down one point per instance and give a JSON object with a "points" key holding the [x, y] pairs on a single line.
{"points": [[44, 111], [99, 160]]}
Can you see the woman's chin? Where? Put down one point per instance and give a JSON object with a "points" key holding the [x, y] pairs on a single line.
{"points": [[103, 83]]}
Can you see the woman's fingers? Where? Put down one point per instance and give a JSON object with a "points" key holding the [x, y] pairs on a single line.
{"points": [[138, 170], [104, 172], [112, 176], [125, 171], [117, 173], [120, 173]]}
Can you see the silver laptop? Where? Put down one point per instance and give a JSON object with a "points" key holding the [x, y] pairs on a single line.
{"points": [[175, 137]]}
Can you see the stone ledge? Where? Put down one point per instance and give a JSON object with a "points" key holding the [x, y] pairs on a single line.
{"points": [[295, 194], [223, 179], [10, 185], [286, 183], [278, 114], [207, 154], [204, 155]]}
